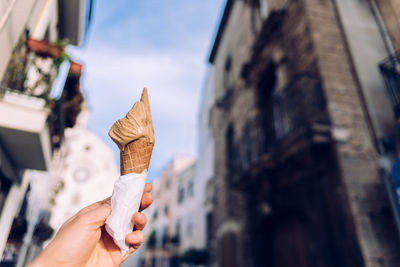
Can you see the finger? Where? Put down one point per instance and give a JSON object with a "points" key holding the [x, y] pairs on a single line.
{"points": [[139, 220], [134, 239], [147, 199], [148, 187]]}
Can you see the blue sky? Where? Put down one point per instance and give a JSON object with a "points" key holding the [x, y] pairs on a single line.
{"points": [[158, 44]]}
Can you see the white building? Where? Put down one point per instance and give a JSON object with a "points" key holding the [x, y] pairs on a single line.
{"points": [[50, 19], [186, 212], [204, 171], [86, 175], [143, 254], [26, 138], [181, 214], [166, 215]]}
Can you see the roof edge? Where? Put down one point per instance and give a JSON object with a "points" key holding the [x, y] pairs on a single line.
{"points": [[221, 28]]}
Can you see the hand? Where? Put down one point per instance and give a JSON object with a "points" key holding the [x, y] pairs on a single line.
{"points": [[83, 241]]}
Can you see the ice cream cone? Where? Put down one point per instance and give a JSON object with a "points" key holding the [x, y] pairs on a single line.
{"points": [[135, 158], [134, 135]]}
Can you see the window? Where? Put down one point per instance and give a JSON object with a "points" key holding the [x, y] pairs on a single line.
{"points": [[209, 226], [250, 144], [164, 236], [190, 189], [152, 241], [230, 148], [176, 238], [265, 91], [47, 34], [267, 84], [166, 210], [189, 227], [178, 227], [263, 9], [5, 186], [181, 193], [227, 72]]}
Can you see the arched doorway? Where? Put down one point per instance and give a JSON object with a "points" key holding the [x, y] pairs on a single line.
{"points": [[228, 250]]}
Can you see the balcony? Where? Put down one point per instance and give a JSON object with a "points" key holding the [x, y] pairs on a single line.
{"points": [[295, 119], [32, 123], [390, 70], [24, 133], [32, 67]]}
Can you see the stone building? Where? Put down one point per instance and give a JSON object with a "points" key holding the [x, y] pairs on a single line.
{"points": [[304, 134]]}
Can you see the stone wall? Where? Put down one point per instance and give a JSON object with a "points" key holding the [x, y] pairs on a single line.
{"points": [[306, 37], [390, 11], [228, 215], [368, 201]]}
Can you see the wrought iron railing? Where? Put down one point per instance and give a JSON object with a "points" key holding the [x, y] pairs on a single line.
{"points": [[16, 96], [390, 70], [298, 106], [33, 66], [28, 81]]}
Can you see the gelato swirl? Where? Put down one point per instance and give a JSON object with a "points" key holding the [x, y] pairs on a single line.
{"points": [[135, 125]]}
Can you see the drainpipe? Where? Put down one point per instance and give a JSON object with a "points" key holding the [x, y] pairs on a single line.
{"points": [[385, 160], [382, 27]]}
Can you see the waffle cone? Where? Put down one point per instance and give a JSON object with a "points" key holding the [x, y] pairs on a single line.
{"points": [[135, 158]]}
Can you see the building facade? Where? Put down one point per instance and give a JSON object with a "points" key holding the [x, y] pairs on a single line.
{"points": [[204, 170], [173, 215], [33, 36], [85, 172], [145, 255], [304, 134]]}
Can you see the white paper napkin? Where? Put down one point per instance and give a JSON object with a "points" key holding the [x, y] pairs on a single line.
{"points": [[125, 201]]}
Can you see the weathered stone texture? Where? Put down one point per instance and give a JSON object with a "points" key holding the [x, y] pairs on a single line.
{"points": [[390, 10], [356, 156], [334, 188]]}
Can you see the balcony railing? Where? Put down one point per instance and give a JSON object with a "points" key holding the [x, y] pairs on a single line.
{"points": [[292, 110], [390, 70], [300, 104], [28, 81], [16, 96], [33, 66]]}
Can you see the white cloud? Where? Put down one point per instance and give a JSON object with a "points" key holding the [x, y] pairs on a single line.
{"points": [[114, 80], [157, 44]]}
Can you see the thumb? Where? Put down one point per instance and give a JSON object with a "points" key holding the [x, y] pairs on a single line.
{"points": [[98, 215]]}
